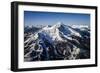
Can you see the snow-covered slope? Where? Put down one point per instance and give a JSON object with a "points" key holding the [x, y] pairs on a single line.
{"points": [[57, 31]]}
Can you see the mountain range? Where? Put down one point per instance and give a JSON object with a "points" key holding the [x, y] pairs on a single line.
{"points": [[56, 42]]}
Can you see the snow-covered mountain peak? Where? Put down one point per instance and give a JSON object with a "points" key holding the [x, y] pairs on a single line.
{"points": [[59, 30], [58, 24]]}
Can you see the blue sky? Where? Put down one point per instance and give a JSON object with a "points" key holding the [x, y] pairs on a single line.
{"points": [[51, 18]]}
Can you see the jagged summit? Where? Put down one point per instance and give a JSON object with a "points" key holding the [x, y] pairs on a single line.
{"points": [[59, 24]]}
